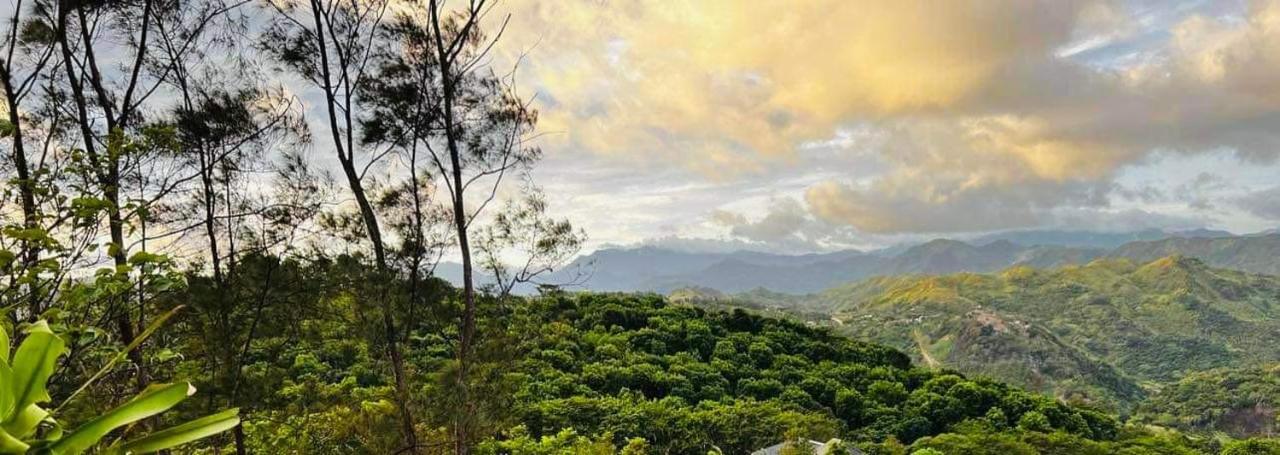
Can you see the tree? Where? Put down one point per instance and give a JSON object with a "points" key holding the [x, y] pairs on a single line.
{"points": [[796, 444], [330, 43], [1252, 446], [438, 102], [27, 51], [1034, 421], [118, 151]]}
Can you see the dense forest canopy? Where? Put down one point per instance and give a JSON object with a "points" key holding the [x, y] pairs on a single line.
{"points": [[222, 223]]}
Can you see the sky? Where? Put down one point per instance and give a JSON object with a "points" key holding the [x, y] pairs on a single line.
{"points": [[819, 125]]}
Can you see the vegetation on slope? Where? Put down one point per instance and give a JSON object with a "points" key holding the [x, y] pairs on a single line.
{"points": [[687, 381], [1101, 333], [1239, 402]]}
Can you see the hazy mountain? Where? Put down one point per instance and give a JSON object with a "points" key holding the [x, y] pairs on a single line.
{"points": [[657, 269], [1079, 239], [949, 256], [735, 274], [662, 270], [1092, 239], [1254, 253]]}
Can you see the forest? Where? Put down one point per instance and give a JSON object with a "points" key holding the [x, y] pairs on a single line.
{"points": [[223, 228], [166, 222]]}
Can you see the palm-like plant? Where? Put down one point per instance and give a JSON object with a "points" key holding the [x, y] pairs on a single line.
{"points": [[28, 428]]}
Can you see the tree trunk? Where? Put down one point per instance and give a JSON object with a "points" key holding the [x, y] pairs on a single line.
{"points": [[370, 218], [238, 432], [467, 329], [26, 192]]}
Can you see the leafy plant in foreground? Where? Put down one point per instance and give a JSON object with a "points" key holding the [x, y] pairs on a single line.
{"points": [[28, 428]]}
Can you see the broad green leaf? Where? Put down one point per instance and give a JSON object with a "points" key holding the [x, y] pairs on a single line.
{"points": [[6, 376], [154, 400], [4, 345], [23, 424], [181, 434], [11, 445], [33, 364], [6, 395]]}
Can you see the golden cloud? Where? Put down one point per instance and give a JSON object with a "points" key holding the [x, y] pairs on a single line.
{"points": [[757, 77], [983, 116]]}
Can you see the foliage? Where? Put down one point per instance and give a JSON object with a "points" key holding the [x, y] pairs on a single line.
{"points": [[1240, 402], [1102, 333], [1253, 447], [686, 380], [30, 427]]}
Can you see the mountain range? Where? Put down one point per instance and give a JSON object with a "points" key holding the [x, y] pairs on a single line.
{"points": [[1110, 333], [664, 270]]}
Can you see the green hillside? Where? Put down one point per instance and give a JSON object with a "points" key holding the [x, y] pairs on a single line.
{"points": [[1097, 333], [620, 368], [1238, 402]]}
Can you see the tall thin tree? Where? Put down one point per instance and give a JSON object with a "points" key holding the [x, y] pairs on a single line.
{"points": [[330, 44]]}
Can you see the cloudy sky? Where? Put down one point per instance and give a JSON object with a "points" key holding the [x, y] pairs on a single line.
{"points": [[814, 125]]}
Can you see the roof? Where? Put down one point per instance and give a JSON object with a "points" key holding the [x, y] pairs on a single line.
{"points": [[819, 448]]}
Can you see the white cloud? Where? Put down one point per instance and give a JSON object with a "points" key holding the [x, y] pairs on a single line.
{"points": [[975, 115]]}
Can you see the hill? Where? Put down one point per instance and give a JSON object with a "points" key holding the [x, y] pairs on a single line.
{"points": [[690, 381], [1239, 402], [1104, 332], [1256, 253]]}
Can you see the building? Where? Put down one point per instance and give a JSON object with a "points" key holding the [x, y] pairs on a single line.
{"points": [[819, 448]]}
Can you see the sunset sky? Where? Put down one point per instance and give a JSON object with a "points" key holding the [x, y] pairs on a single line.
{"points": [[814, 125]]}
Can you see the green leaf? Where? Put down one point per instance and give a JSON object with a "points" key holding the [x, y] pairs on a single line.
{"points": [[137, 341], [6, 397], [174, 436], [12, 445], [32, 366], [4, 344], [154, 400], [143, 257], [24, 423]]}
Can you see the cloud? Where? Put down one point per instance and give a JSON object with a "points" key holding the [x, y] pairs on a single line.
{"points": [[984, 117], [785, 218], [945, 177], [714, 81], [1263, 204], [1125, 220], [1198, 193], [787, 225]]}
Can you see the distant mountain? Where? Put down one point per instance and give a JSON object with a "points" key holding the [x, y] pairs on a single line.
{"points": [[1077, 239], [664, 270], [1100, 332], [741, 271], [737, 275], [626, 269], [1091, 239], [1254, 253], [950, 256], [660, 270]]}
